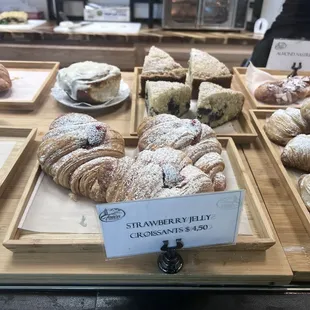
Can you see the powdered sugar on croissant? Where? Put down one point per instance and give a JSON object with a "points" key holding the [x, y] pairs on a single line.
{"points": [[72, 151]]}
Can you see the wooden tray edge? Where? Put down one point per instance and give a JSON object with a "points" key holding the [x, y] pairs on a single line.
{"points": [[65, 245], [298, 203]]}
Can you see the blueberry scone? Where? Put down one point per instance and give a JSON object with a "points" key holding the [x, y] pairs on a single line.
{"points": [[203, 67], [160, 66], [217, 105], [167, 98]]}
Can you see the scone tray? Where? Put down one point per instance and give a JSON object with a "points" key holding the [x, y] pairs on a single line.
{"points": [[240, 72], [20, 240], [241, 129], [289, 177], [31, 82], [14, 142]]}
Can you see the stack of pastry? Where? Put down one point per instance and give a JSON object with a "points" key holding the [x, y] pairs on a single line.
{"points": [[195, 139], [290, 128], [207, 79], [87, 157]]}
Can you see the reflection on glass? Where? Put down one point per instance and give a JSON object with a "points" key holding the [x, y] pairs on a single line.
{"points": [[183, 11], [216, 11]]}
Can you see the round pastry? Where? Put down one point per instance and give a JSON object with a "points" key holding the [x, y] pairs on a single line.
{"points": [[296, 153], [304, 189], [5, 81], [90, 82], [286, 91], [283, 125]]}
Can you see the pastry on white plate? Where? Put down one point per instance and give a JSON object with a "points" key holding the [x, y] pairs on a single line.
{"points": [[90, 81]]}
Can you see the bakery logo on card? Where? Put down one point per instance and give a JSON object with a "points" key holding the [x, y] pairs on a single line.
{"points": [[280, 46], [111, 215], [228, 203]]}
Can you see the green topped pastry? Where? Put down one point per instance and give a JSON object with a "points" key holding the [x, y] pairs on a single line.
{"points": [[167, 98], [217, 105]]}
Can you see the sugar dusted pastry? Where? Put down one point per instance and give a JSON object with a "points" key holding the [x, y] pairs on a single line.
{"points": [[165, 171], [160, 66], [90, 81], [219, 182], [74, 148], [304, 189], [284, 125], [305, 110], [202, 67], [5, 80], [284, 92], [211, 163], [217, 105], [296, 153], [167, 97]]}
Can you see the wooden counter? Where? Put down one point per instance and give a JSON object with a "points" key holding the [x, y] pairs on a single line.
{"points": [[272, 267], [123, 50]]}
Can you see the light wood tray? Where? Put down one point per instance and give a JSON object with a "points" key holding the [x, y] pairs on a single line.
{"points": [[246, 132], [18, 240], [239, 73], [29, 105], [274, 151], [22, 138]]}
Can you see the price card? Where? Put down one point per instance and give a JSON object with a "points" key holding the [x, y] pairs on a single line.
{"points": [[139, 227], [285, 52]]}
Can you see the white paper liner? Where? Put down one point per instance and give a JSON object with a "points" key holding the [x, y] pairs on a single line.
{"points": [[6, 147], [255, 77], [25, 84], [61, 96], [51, 210]]}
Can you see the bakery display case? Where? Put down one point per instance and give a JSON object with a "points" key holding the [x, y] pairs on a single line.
{"points": [[148, 147]]}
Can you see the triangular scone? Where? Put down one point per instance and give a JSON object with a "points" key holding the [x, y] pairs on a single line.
{"points": [[167, 98], [160, 66], [203, 67], [217, 105]]}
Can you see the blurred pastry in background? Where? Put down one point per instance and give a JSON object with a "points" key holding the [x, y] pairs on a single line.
{"points": [[160, 66], [13, 17], [5, 80]]}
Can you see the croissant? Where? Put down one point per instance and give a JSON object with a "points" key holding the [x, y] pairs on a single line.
{"points": [[219, 182], [286, 91], [296, 153], [283, 125], [211, 163], [164, 172], [5, 81], [191, 136], [304, 188], [73, 149]]}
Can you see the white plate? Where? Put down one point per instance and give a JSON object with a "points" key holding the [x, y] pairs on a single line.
{"points": [[61, 96]]}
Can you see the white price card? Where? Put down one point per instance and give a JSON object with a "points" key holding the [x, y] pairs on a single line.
{"points": [[139, 227], [284, 53]]}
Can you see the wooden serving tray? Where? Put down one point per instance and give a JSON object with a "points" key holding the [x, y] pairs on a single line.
{"points": [[22, 138], [239, 73], [287, 175], [244, 131], [19, 240], [31, 82]]}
